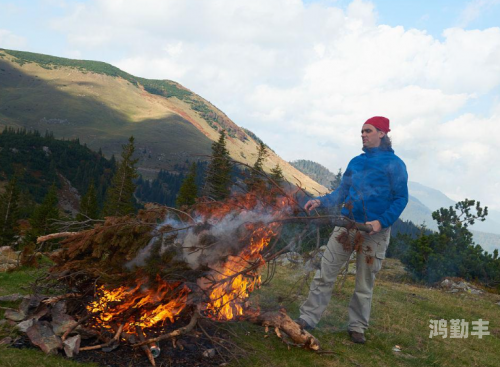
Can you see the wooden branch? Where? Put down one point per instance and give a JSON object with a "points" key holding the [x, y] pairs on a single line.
{"points": [[81, 321], [115, 339], [173, 334], [54, 236], [145, 347], [329, 219], [93, 347], [280, 321], [55, 299]]}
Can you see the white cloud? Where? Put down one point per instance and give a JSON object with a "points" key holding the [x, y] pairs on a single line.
{"points": [[304, 78], [10, 40]]}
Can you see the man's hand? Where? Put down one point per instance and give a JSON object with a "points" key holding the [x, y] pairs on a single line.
{"points": [[312, 204], [376, 226]]}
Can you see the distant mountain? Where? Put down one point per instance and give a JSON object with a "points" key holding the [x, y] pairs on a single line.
{"points": [[418, 213], [488, 241], [316, 171], [434, 199], [103, 106], [424, 200], [431, 198]]}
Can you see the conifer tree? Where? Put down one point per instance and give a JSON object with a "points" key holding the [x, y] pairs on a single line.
{"points": [[188, 191], [256, 181], [44, 215], [89, 207], [277, 174], [9, 213], [452, 251], [218, 177], [335, 183], [120, 195]]}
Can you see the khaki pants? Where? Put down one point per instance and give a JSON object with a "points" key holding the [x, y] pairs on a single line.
{"points": [[368, 263]]}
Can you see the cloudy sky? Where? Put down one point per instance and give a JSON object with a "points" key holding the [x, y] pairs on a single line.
{"points": [[304, 75]]}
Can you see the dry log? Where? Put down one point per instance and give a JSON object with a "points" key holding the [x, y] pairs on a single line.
{"points": [[280, 321]]}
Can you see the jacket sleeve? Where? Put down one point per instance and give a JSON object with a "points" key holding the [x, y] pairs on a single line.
{"points": [[338, 196], [399, 188]]}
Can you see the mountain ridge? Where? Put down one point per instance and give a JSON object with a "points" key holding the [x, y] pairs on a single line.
{"points": [[103, 105]]}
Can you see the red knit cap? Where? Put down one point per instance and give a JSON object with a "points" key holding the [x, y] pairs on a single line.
{"points": [[381, 123]]}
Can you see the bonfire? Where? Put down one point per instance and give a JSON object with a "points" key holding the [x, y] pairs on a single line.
{"points": [[141, 280]]}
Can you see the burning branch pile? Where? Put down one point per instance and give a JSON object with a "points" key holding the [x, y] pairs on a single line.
{"points": [[155, 276]]}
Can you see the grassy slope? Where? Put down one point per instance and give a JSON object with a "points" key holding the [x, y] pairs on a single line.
{"points": [[103, 106], [400, 316], [101, 110]]}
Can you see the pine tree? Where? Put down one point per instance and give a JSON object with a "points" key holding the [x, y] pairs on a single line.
{"points": [[120, 195], [335, 183], [277, 174], [256, 181], [188, 191], [44, 215], [89, 207], [218, 179], [9, 213], [452, 251]]}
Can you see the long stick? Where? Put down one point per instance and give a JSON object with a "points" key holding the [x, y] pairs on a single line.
{"points": [[329, 219]]}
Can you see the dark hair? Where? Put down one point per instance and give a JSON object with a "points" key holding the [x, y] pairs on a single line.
{"points": [[386, 142]]}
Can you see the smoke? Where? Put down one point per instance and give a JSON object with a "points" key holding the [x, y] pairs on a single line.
{"points": [[144, 253], [210, 241]]}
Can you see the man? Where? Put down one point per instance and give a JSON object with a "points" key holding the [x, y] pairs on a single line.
{"points": [[374, 190]]}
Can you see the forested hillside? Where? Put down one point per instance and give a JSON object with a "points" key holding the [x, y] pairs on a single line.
{"points": [[165, 187], [37, 161], [316, 171]]}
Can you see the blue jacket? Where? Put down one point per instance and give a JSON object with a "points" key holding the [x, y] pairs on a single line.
{"points": [[376, 184]]}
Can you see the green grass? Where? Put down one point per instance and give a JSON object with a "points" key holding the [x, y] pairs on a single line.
{"points": [[400, 316], [10, 357], [18, 281]]}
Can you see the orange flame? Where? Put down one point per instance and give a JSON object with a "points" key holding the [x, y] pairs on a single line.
{"points": [[232, 282], [139, 306]]}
